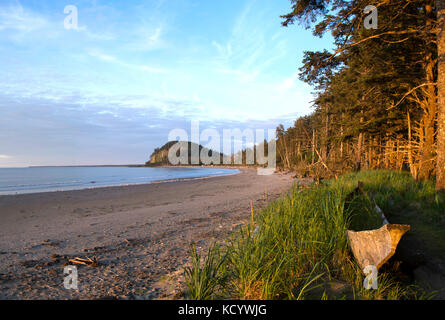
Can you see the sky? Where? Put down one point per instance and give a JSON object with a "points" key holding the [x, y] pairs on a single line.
{"points": [[109, 90]]}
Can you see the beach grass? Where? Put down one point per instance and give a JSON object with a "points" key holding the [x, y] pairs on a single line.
{"points": [[296, 247]]}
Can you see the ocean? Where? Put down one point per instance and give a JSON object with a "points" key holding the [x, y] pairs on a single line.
{"points": [[45, 179]]}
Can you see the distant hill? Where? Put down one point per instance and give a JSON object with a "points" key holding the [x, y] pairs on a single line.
{"points": [[160, 155]]}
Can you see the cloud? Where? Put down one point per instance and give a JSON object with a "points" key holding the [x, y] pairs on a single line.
{"points": [[113, 59], [241, 75], [152, 69], [23, 25], [73, 131], [20, 19], [155, 37], [289, 82], [103, 57], [224, 51], [144, 38], [252, 46]]}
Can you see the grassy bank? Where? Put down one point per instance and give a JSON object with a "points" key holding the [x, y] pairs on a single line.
{"points": [[296, 247]]}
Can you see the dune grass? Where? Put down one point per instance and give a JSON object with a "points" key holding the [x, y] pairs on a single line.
{"points": [[296, 247]]}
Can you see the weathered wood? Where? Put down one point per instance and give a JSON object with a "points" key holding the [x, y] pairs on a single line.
{"points": [[376, 247], [87, 262], [440, 166]]}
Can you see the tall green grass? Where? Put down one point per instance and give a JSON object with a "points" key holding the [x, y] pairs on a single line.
{"points": [[296, 247], [203, 279], [395, 190]]}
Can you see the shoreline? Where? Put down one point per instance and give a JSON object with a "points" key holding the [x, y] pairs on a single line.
{"points": [[128, 184], [139, 233]]}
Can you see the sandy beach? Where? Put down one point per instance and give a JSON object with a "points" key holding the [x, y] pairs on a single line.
{"points": [[140, 234]]}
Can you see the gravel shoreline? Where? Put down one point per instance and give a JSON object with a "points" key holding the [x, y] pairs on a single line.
{"points": [[140, 234]]}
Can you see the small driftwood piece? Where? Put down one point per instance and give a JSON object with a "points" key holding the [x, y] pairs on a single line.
{"points": [[87, 262], [375, 247]]}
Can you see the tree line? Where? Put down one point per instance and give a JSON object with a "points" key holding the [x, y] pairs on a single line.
{"points": [[379, 95]]}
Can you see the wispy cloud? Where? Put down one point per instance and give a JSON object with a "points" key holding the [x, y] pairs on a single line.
{"points": [[113, 59], [251, 48], [103, 57], [21, 24], [289, 82], [20, 19], [146, 38], [152, 69], [224, 51]]}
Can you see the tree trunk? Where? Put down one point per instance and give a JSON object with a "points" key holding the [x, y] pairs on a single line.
{"points": [[440, 169], [358, 159], [412, 166], [326, 149], [429, 106], [313, 146], [286, 152], [341, 133]]}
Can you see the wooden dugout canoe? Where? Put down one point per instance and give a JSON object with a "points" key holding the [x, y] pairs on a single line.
{"points": [[375, 247]]}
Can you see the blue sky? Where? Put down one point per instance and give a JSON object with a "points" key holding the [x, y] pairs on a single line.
{"points": [[110, 91]]}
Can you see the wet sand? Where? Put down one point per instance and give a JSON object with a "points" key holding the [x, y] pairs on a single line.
{"points": [[140, 234]]}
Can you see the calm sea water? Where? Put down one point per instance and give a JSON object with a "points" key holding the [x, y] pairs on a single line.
{"points": [[31, 180]]}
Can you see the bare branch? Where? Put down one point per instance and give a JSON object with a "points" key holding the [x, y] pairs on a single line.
{"points": [[409, 92]]}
